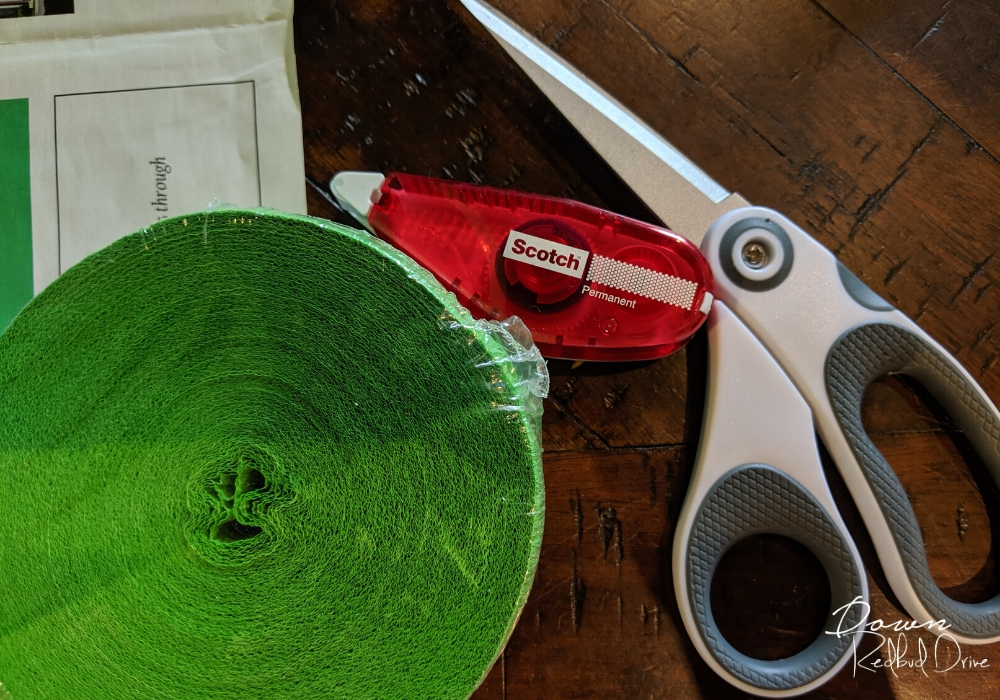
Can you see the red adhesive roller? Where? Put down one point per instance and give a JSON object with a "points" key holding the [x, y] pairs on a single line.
{"points": [[590, 284]]}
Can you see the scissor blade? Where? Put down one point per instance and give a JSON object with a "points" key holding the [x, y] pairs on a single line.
{"points": [[675, 189]]}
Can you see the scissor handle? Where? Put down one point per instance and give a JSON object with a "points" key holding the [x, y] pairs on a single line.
{"points": [[833, 336], [758, 471], [870, 351], [758, 498]]}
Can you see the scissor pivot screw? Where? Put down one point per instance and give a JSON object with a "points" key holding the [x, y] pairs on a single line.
{"points": [[754, 255]]}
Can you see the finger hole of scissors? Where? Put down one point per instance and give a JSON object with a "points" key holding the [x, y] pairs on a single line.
{"points": [[952, 504], [770, 597]]}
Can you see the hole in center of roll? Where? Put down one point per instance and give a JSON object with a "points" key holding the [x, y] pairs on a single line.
{"points": [[770, 597], [234, 530], [241, 497]]}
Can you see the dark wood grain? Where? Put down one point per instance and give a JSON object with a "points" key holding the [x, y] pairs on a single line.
{"points": [[872, 123], [947, 51]]}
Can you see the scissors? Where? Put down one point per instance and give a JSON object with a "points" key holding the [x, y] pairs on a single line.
{"points": [[794, 340]]}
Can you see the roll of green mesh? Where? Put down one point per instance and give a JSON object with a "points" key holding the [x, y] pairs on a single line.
{"points": [[248, 455]]}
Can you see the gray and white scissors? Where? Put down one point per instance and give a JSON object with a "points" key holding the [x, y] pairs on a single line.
{"points": [[794, 340]]}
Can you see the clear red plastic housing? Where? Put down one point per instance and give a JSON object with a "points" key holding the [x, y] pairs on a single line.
{"points": [[590, 284]]}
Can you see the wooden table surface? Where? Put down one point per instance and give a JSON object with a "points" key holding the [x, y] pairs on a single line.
{"points": [[874, 124]]}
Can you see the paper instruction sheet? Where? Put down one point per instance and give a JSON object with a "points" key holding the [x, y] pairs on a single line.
{"points": [[115, 114]]}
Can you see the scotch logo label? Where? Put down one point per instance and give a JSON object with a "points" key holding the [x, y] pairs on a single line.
{"points": [[547, 254]]}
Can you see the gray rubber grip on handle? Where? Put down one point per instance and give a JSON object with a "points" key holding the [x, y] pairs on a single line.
{"points": [[755, 499], [866, 353]]}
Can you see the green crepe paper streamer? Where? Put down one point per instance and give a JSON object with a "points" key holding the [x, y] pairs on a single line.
{"points": [[252, 455]]}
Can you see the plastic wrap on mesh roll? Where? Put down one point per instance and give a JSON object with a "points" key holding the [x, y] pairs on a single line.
{"points": [[249, 453]]}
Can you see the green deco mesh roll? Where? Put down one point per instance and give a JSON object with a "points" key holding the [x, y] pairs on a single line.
{"points": [[246, 455]]}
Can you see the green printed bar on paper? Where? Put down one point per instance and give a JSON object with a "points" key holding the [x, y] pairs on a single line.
{"points": [[16, 275]]}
